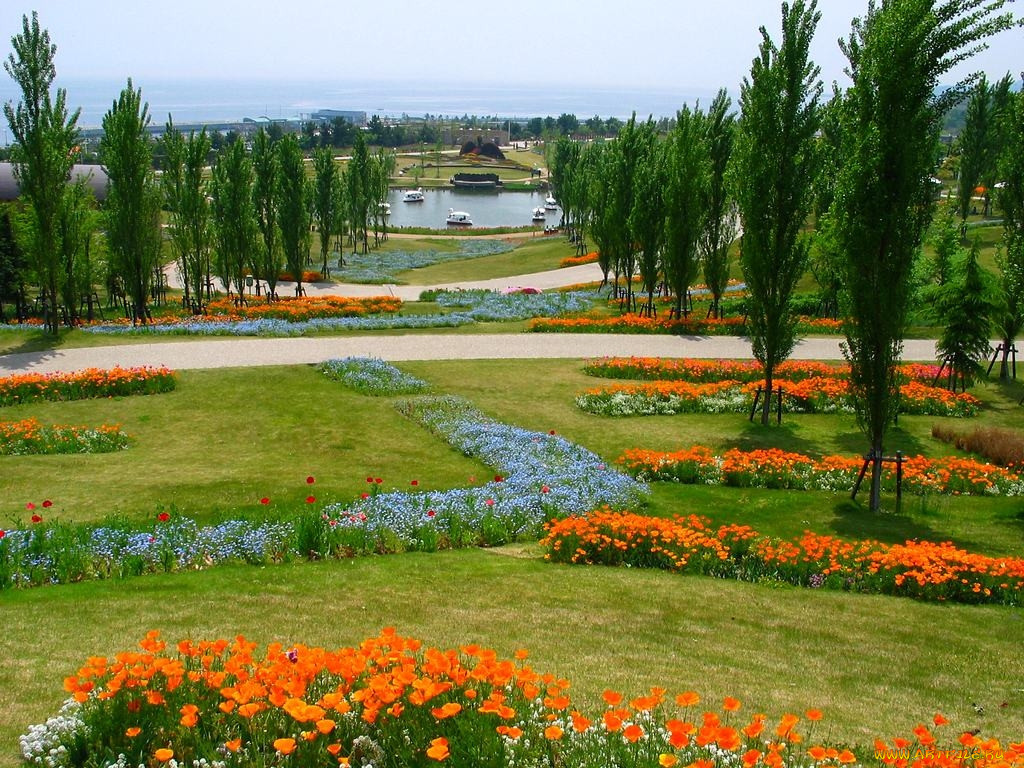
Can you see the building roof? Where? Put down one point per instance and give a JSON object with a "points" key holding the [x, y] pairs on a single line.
{"points": [[94, 175]]}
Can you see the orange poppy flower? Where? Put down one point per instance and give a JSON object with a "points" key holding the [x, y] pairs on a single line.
{"points": [[438, 749], [163, 754], [285, 745], [553, 733], [666, 760]]}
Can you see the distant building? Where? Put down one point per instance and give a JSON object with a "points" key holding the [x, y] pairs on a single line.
{"points": [[327, 115], [94, 176]]}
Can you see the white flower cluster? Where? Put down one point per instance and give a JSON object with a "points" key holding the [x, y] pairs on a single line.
{"points": [[44, 743]]}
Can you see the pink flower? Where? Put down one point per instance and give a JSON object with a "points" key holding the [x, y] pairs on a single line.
{"points": [[30, 505], [489, 502], [310, 499], [310, 480]]}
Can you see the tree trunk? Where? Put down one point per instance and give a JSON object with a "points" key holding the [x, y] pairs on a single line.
{"points": [[1004, 364], [875, 502], [766, 406]]}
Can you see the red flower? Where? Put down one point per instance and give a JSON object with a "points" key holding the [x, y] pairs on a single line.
{"points": [[369, 480], [30, 505], [265, 500], [414, 482], [499, 479], [545, 489], [310, 480], [489, 502], [163, 517], [47, 503], [551, 432], [377, 480], [364, 495], [430, 513], [2, 533], [310, 499], [36, 519]]}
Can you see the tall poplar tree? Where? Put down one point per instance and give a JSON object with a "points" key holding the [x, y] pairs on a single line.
{"points": [[234, 220], [975, 145], [132, 207], [721, 221], [889, 121], [267, 259], [775, 158], [45, 145], [293, 208], [325, 199], [185, 198], [1010, 316]]}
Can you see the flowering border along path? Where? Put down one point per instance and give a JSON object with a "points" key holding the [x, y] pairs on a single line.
{"points": [[540, 475], [79, 385], [390, 702]]}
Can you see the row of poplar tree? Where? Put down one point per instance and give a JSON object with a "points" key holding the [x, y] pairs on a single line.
{"points": [[246, 217], [860, 167]]}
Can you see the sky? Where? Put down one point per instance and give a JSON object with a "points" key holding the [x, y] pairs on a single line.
{"points": [[684, 45]]}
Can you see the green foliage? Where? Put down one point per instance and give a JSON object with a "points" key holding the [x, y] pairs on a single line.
{"points": [[268, 260], [325, 200], [975, 145], [647, 216], [966, 308], [722, 216], [234, 222], [45, 144], [1010, 318], [890, 119], [293, 208], [185, 198], [775, 160], [133, 202]]}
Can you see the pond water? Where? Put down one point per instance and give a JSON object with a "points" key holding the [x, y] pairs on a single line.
{"points": [[486, 208]]}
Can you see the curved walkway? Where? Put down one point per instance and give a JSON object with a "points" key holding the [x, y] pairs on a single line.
{"points": [[246, 351], [240, 352]]}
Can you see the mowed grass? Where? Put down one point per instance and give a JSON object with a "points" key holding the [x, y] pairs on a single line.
{"points": [[875, 665], [536, 254], [223, 440]]}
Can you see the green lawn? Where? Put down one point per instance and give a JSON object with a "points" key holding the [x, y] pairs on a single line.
{"points": [[876, 665], [536, 254]]}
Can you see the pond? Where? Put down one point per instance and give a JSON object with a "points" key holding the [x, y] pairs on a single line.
{"points": [[487, 208]]}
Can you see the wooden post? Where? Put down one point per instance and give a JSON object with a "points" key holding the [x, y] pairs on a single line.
{"points": [[757, 399], [899, 478], [860, 476]]}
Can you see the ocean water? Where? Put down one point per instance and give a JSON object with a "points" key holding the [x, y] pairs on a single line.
{"points": [[223, 100]]}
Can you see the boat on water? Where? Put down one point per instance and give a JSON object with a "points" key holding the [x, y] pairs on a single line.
{"points": [[385, 208], [550, 203], [413, 196], [538, 214], [458, 218]]}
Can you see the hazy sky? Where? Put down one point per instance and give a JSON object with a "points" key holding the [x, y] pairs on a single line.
{"points": [[677, 44]]}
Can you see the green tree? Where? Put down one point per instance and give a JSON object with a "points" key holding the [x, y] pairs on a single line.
{"points": [[721, 215], [76, 224], [687, 201], [45, 144], [647, 216], [775, 156], [267, 258], [185, 198], [966, 309], [325, 197], [884, 197], [13, 267], [620, 171], [1010, 317], [975, 145], [360, 191], [132, 207], [234, 217], [293, 209]]}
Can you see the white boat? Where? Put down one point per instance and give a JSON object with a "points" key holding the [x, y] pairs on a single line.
{"points": [[458, 218], [538, 214], [413, 196], [550, 204]]}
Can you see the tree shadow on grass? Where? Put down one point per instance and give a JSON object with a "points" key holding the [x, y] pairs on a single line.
{"points": [[891, 525], [854, 442], [756, 436]]}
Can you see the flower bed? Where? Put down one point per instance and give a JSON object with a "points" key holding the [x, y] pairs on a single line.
{"points": [[494, 306], [304, 307], [690, 326], [576, 261], [696, 370], [29, 437], [917, 569], [371, 376], [392, 702], [813, 395], [539, 475], [772, 468], [88, 383], [383, 266]]}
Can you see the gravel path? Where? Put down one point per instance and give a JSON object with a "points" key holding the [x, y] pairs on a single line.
{"points": [[231, 353]]}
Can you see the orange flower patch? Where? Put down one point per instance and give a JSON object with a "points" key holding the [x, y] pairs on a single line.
{"points": [[88, 383], [919, 569], [303, 308]]}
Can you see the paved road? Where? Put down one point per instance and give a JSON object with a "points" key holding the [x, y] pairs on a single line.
{"points": [[230, 353]]}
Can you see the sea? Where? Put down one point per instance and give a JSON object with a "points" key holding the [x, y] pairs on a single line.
{"points": [[212, 101]]}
